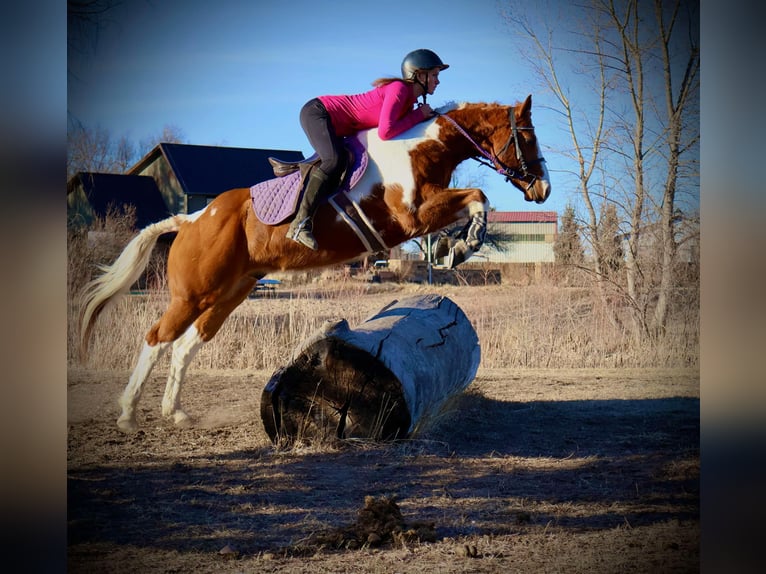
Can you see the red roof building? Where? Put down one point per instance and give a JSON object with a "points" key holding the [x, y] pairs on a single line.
{"points": [[523, 217], [519, 237]]}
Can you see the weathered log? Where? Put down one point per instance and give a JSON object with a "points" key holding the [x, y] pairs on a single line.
{"points": [[382, 380]]}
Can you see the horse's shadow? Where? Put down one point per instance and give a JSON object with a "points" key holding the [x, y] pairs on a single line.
{"points": [[481, 457]]}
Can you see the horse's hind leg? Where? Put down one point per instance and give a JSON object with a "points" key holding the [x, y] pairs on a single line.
{"points": [[132, 393], [173, 323], [184, 350]]}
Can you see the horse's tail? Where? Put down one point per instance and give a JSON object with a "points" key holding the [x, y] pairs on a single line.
{"points": [[117, 278]]}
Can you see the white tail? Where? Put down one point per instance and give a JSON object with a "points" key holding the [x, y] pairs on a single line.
{"points": [[117, 278]]}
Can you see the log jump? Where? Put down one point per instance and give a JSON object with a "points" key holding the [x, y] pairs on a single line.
{"points": [[383, 380]]}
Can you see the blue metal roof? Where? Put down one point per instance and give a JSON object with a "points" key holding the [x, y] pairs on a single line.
{"points": [[210, 170]]}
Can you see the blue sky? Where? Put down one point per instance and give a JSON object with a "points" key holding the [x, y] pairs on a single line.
{"points": [[236, 73]]}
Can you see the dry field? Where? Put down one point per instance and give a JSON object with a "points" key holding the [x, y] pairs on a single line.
{"points": [[544, 464]]}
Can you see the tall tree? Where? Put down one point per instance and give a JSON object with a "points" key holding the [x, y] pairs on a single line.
{"points": [[610, 240], [682, 129], [567, 248], [585, 124], [634, 68]]}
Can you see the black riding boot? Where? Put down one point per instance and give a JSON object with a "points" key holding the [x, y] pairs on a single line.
{"points": [[301, 227]]}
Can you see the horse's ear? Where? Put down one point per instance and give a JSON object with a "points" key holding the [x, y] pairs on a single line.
{"points": [[526, 107], [523, 110]]}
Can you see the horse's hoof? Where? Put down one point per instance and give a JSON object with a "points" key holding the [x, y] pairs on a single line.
{"points": [[181, 419], [440, 248], [127, 425], [458, 254]]}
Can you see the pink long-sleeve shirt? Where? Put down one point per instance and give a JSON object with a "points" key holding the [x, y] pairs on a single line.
{"points": [[389, 107]]}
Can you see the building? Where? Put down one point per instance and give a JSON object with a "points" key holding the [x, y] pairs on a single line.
{"points": [[172, 178], [519, 237], [92, 195]]}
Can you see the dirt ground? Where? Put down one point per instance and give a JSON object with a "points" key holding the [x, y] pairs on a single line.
{"points": [[528, 471]]}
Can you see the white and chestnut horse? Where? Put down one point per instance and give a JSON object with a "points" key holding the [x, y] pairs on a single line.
{"points": [[221, 251]]}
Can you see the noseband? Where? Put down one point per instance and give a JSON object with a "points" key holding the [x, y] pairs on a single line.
{"points": [[496, 163]]}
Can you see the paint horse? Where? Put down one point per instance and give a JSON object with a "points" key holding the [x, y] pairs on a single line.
{"points": [[221, 251]]}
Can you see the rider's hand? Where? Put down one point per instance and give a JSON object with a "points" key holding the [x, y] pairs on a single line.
{"points": [[426, 111]]}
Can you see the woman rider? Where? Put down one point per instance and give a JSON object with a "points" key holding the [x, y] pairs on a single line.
{"points": [[328, 119]]}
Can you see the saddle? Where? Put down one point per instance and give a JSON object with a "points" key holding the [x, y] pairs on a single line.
{"points": [[275, 200], [282, 168]]}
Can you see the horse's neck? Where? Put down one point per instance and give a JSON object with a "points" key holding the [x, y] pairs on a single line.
{"points": [[392, 155]]}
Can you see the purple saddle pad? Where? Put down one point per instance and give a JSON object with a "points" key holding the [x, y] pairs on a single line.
{"points": [[274, 200]]}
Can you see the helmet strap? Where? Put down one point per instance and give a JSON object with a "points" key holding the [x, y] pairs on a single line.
{"points": [[425, 88]]}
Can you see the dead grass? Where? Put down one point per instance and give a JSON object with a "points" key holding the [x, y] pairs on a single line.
{"points": [[535, 326]]}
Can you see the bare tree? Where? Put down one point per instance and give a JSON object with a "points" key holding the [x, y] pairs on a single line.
{"points": [[90, 149], [682, 133], [96, 150], [627, 139], [171, 133], [85, 20], [658, 137], [125, 154], [585, 124]]}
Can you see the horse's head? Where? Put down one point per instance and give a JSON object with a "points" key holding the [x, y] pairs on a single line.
{"points": [[505, 138], [519, 158]]}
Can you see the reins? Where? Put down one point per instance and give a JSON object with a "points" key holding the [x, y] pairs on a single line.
{"points": [[495, 162]]}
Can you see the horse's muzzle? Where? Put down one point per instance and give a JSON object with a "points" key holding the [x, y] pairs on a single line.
{"points": [[538, 191]]}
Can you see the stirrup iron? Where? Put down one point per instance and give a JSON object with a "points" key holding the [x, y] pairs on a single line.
{"points": [[302, 233]]}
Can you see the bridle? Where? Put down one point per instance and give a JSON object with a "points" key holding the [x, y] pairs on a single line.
{"points": [[496, 163]]}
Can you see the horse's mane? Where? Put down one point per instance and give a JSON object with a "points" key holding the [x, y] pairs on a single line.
{"points": [[453, 105], [449, 106]]}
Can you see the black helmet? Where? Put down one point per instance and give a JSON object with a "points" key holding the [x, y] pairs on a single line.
{"points": [[420, 60]]}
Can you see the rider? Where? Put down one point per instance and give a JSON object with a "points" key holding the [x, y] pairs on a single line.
{"points": [[327, 119]]}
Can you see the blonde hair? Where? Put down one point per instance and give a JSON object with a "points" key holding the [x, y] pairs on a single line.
{"points": [[385, 81]]}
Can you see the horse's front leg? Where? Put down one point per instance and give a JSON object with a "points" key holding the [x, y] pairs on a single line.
{"points": [[442, 207], [449, 205], [475, 233]]}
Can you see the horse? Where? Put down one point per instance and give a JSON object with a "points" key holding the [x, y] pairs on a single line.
{"points": [[222, 251]]}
